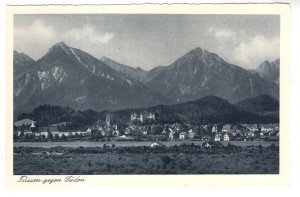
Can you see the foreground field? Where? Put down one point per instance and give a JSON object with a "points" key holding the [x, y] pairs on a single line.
{"points": [[184, 159], [75, 144]]}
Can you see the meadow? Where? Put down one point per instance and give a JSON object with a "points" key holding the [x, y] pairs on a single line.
{"points": [[183, 159]]}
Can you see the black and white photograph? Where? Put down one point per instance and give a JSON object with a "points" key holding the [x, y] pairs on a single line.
{"points": [[147, 94]]}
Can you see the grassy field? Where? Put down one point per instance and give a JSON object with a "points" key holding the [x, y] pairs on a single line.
{"points": [[75, 144], [184, 159]]}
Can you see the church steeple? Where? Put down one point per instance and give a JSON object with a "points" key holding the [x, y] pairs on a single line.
{"points": [[107, 120]]}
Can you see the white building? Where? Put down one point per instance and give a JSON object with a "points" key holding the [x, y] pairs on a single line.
{"points": [[217, 137], [214, 129], [182, 135], [80, 132], [60, 134], [145, 132], [226, 137]]}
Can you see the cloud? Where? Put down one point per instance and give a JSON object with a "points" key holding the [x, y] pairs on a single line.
{"points": [[221, 33], [38, 29], [251, 53], [34, 39], [88, 33]]}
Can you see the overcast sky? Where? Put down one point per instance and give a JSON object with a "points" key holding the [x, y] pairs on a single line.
{"points": [[147, 41]]}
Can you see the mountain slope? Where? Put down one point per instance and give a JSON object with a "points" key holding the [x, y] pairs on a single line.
{"points": [[154, 72], [261, 103], [212, 109], [135, 73], [71, 77], [200, 73], [206, 110], [269, 70], [21, 63]]}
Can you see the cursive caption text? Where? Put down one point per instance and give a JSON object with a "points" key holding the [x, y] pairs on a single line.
{"points": [[67, 179]]}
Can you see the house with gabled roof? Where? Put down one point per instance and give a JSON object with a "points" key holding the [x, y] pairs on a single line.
{"points": [[252, 127], [182, 135], [226, 137], [217, 137]]}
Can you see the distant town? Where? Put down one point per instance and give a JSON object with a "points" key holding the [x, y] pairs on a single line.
{"points": [[143, 127]]}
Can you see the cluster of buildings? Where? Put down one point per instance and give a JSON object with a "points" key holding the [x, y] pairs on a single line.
{"points": [[100, 128], [45, 132], [106, 129], [245, 132], [227, 132], [175, 131]]}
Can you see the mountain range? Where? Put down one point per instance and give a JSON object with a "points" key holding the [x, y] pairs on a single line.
{"points": [[201, 73], [70, 77]]}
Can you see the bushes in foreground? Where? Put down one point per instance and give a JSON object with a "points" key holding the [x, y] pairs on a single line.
{"points": [[243, 162]]}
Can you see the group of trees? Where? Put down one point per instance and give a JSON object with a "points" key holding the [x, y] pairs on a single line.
{"points": [[46, 115]]}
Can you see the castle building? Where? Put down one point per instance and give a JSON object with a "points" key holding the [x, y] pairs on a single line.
{"points": [[151, 116], [133, 117], [142, 116]]}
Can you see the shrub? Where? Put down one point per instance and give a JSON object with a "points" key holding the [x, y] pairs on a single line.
{"points": [[166, 160]]}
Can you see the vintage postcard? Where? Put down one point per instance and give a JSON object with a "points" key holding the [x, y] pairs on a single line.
{"points": [[148, 95]]}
